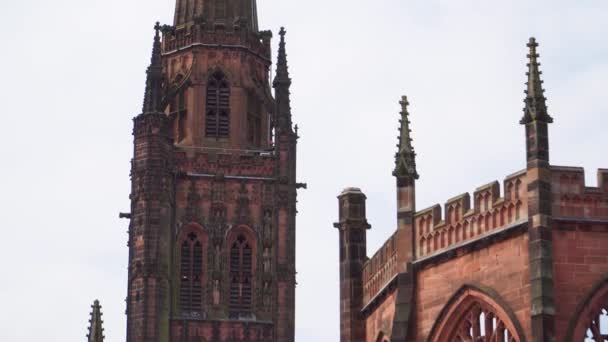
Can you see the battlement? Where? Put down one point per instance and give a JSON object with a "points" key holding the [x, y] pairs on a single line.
{"points": [[380, 269], [219, 34], [571, 198], [490, 211]]}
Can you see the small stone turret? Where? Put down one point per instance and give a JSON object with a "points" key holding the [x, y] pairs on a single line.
{"points": [[150, 227], [281, 85], [353, 244], [154, 79]]}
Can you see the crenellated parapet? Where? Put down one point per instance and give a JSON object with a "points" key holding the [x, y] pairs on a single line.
{"points": [[571, 198], [490, 212], [380, 269]]}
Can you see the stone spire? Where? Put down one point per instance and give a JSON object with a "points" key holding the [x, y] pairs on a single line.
{"points": [[405, 158], [153, 94], [281, 85], [228, 13], [95, 328], [536, 105]]}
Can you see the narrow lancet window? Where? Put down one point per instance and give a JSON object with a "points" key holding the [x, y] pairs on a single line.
{"points": [[217, 119], [191, 275], [240, 277]]}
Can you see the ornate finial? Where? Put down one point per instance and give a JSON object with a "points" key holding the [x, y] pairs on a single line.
{"points": [[281, 84], [536, 105], [282, 70], [153, 94], [405, 159], [96, 324]]}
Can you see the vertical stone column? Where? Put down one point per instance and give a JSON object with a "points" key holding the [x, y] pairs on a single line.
{"points": [[352, 226], [406, 208], [540, 234]]}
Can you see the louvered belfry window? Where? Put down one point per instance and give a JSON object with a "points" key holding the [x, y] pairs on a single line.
{"points": [[217, 122], [191, 274], [240, 277]]}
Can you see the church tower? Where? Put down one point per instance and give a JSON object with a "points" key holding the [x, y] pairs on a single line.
{"points": [[213, 198]]}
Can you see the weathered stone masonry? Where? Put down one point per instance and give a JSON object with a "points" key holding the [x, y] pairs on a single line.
{"points": [[212, 221]]}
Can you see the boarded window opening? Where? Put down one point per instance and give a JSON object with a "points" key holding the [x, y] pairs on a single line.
{"points": [[217, 121], [191, 275], [240, 277]]}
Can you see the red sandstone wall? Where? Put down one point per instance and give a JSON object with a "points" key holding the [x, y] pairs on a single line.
{"points": [[381, 320], [502, 266], [580, 259], [196, 331]]}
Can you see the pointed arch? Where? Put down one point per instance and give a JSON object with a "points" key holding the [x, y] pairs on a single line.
{"points": [[421, 225], [467, 230], [422, 245], [192, 249], [217, 112], [590, 317], [474, 312], [451, 238], [509, 194], [510, 213], [242, 251], [382, 337]]}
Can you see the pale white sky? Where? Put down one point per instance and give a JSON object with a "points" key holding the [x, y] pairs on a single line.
{"points": [[73, 77]]}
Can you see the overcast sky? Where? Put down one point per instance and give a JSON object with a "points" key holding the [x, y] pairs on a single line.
{"points": [[73, 77]]}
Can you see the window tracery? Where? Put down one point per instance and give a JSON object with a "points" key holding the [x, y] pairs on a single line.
{"points": [[241, 263], [597, 331], [590, 321], [481, 323], [473, 315], [191, 274]]}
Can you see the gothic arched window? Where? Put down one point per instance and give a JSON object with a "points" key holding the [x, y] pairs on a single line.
{"points": [[473, 315], [241, 268], [590, 321], [217, 115], [191, 274]]}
